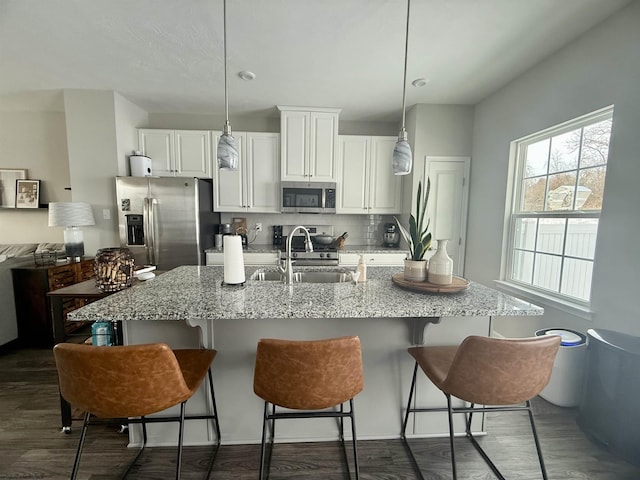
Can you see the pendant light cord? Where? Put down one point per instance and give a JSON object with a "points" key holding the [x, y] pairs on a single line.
{"points": [[224, 21], [406, 49]]}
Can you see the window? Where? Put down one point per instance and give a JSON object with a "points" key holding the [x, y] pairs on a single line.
{"points": [[557, 197]]}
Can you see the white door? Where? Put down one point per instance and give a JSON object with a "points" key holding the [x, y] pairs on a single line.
{"points": [[294, 128], [323, 134], [263, 172], [448, 204], [228, 195], [158, 145], [385, 196], [353, 185], [193, 153]]}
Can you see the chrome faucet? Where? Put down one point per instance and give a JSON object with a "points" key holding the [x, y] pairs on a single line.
{"points": [[308, 246]]}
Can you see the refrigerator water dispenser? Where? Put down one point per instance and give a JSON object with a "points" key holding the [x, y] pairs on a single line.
{"points": [[135, 229]]}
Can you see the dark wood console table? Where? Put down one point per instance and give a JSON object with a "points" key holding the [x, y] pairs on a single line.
{"points": [[32, 285]]}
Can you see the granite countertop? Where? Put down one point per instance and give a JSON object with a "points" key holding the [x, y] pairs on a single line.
{"points": [[196, 292]]}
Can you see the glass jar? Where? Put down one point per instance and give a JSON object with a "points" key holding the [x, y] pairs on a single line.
{"points": [[113, 268]]}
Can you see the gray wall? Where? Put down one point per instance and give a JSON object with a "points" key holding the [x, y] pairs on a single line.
{"points": [[599, 69]]}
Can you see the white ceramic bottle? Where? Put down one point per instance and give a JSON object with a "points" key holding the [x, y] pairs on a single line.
{"points": [[441, 266], [362, 270]]}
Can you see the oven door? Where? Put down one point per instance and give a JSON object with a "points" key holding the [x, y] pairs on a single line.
{"points": [[301, 197]]}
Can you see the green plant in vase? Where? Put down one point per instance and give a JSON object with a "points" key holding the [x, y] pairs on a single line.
{"points": [[417, 237]]}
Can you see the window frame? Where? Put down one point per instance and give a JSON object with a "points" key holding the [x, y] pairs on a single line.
{"points": [[517, 161]]}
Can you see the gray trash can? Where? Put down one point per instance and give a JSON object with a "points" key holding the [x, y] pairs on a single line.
{"points": [[608, 410], [565, 386]]}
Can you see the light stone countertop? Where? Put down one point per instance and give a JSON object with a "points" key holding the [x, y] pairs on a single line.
{"points": [[197, 293]]}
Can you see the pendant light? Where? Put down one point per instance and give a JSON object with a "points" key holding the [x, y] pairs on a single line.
{"points": [[402, 157], [227, 149]]}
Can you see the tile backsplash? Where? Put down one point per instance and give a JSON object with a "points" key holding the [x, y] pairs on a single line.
{"points": [[362, 229]]}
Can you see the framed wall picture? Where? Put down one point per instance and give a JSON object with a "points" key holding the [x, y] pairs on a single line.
{"points": [[27, 193], [8, 178]]}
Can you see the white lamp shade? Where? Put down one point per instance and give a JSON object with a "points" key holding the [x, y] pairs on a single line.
{"points": [[402, 158], [70, 214], [227, 152]]}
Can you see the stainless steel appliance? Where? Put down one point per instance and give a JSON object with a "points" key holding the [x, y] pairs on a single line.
{"points": [[278, 239], [308, 197], [391, 235], [323, 254], [166, 221]]}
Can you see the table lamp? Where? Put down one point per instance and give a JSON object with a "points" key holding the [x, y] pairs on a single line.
{"points": [[71, 215]]}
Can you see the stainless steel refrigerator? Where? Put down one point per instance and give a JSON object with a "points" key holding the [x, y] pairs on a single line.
{"points": [[166, 221]]}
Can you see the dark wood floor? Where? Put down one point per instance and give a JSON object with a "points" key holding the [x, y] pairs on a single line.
{"points": [[32, 446]]}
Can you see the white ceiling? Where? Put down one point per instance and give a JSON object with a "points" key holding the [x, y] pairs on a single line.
{"points": [[167, 57]]}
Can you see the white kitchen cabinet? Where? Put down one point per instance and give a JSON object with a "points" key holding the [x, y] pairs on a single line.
{"points": [[373, 259], [255, 185], [250, 258], [177, 153], [309, 139], [366, 182]]}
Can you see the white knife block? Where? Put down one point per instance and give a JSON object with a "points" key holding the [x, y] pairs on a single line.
{"points": [[233, 260]]}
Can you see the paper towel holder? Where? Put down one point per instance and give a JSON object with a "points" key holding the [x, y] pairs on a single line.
{"points": [[233, 256]]}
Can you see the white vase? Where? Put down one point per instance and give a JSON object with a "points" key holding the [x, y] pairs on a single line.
{"points": [[441, 266], [415, 270]]}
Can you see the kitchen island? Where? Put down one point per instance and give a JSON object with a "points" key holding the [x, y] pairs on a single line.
{"points": [[232, 319]]}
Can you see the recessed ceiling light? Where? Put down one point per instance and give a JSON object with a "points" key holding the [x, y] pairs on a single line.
{"points": [[420, 82], [246, 75]]}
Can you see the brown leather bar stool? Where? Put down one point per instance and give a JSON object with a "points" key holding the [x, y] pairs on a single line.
{"points": [[312, 377], [126, 383], [501, 374]]}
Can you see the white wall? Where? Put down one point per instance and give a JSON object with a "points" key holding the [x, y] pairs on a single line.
{"points": [[598, 69], [35, 141], [100, 134]]}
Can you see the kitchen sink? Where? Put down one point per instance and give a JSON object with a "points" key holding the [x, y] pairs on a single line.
{"points": [[324, 276], [266, 276]]}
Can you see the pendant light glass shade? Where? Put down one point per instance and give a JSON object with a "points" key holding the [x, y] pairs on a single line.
{"points": [[227, 150], [402, 157]]}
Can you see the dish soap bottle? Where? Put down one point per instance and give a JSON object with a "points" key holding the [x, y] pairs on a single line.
{"points": [[362, 270]]}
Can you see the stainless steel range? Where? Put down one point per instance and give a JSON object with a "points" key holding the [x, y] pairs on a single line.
{"points": [[322, 255]]}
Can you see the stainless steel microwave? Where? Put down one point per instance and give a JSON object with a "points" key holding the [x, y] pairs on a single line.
{"points": [[308, 197]]}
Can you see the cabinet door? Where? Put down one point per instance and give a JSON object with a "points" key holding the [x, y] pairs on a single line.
{"points": [[228, 195], [193, 153], [294, 140], [262, 183], [323, 134], [385, 194], [159, 146], [353, 185], [447, 206]]}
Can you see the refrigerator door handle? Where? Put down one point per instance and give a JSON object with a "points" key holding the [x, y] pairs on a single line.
{"points": [[148, 230], [155, 256]]}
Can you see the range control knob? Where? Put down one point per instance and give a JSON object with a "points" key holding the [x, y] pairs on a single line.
{"points": [[294, 255]]}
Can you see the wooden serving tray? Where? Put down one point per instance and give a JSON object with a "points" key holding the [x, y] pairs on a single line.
{"points": [[459, 284]]}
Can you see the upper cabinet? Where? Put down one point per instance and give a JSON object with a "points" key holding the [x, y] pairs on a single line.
{"points": [[177, 153], [366, 181], [309, 138], [255, 185]]}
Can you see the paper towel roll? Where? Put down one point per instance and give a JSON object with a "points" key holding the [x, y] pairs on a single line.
{"points": [[233, 260]]}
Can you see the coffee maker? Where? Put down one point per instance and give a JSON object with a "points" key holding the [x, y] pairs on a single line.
{"points": [[278, 239], [391, 236]]}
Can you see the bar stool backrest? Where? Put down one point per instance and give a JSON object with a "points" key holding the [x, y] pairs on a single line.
{"points": [[308, 374], [121, 381], [501, 371]]}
